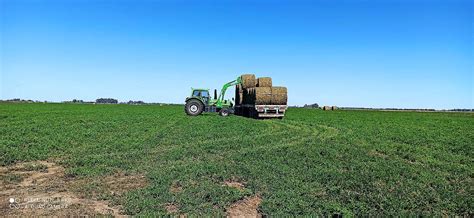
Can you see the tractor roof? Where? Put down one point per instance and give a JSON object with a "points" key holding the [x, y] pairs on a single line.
{"points": [[199, 89]]}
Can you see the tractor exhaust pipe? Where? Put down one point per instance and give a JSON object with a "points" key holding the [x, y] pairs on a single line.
{"points": [[215, 94]]}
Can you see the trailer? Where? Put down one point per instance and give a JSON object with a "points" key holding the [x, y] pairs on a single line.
{"points": [[261, 111]]}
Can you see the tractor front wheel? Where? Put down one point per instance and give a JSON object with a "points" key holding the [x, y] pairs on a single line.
{"points": [[193, 107], [224, 112]]}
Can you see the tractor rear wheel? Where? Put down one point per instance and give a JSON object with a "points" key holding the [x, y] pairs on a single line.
{"points": [[194, 107]]}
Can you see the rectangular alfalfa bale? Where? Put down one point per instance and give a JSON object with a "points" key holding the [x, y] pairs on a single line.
{"points": [[262, 95], [333, 108], [264, 82], [326, 108], [248, 81], [279, 95]]}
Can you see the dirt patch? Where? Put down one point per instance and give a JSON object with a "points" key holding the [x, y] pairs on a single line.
{"points": [[247, 207], [120, 183], [171, 208], [234, 184], [375, 153], [44, 190], [176, 187]]}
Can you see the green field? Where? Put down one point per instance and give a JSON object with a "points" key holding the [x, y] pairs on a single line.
{"points": [[311, 162]]}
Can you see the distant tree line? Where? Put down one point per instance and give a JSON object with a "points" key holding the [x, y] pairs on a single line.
{"points": [[19, 100], [106, 101], [315, 105], [135, 102], [462, 110]]}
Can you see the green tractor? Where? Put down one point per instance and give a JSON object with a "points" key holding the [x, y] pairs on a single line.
{"points": [[200, 101]]}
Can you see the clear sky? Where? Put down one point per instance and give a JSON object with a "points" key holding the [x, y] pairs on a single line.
{"points": [[394, 53]]}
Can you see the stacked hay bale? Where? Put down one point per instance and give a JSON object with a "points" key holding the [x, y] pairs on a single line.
{"points": [[264, 82], [259, 91], [261, 95], [248, 81], [279, 95]]}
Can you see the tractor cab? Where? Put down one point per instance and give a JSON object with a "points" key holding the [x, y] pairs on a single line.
{"points": [[202, 94]]}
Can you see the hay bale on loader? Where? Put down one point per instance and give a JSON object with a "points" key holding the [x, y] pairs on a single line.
{"points": [[264, 82], [279, 95], [248, 81]]}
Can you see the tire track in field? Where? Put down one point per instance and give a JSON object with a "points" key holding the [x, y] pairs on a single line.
{"points": [[304, 131], [299, 131]]}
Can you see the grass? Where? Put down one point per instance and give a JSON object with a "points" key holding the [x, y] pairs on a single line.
{"points": [[11, 179], [35, 167], [311, 162]]}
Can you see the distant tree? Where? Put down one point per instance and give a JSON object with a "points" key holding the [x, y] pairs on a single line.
{"points": [[315, 105], [106, 101], [135, 102]]}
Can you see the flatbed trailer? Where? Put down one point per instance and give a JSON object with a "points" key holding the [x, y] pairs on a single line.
{"points": [[261, 111]]}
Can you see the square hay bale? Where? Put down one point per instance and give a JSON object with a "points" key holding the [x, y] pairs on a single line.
{"points": [[264, 82], [326, 108], [279, 95], [262, 95], [333, 108], [248, 81]]}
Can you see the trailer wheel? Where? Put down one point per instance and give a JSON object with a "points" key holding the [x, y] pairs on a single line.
{"points": [[224, 112], [193, 107]]}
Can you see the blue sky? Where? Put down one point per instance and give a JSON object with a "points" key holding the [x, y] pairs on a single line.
{"points": [[394, 53]]}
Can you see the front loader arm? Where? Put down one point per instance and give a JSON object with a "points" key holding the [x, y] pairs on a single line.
{"points": [[225, 87]]}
